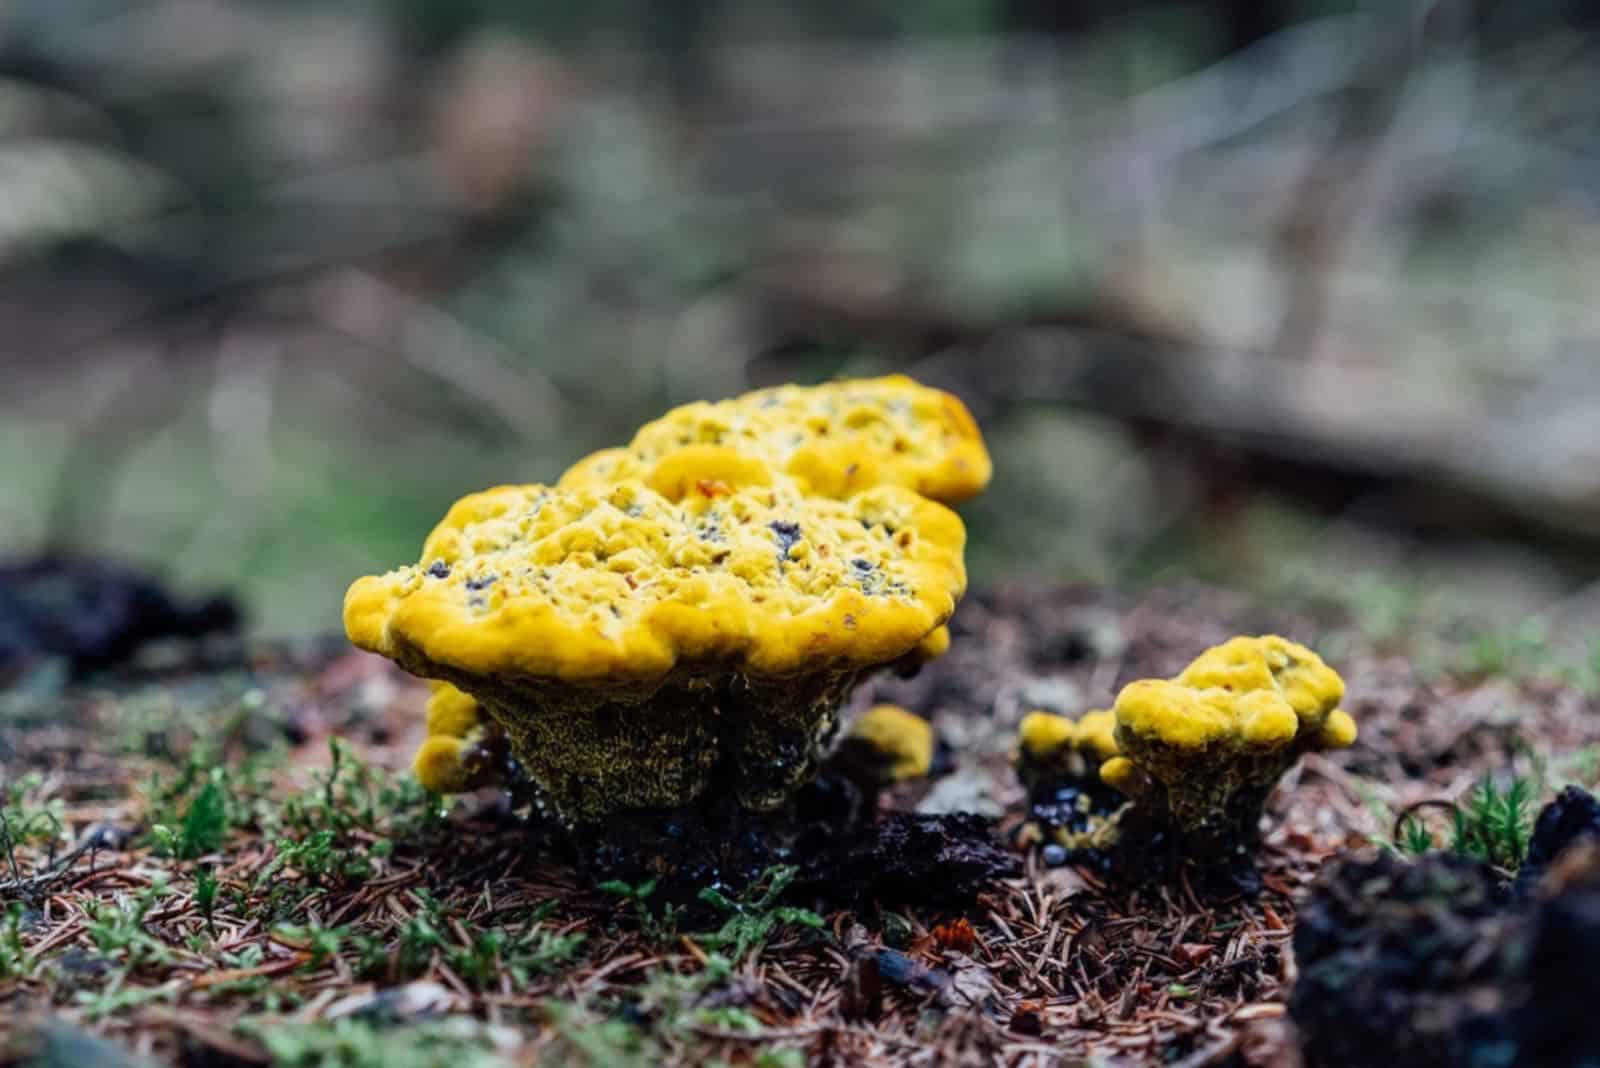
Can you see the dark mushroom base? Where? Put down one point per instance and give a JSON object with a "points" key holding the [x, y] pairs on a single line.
{"points": [[1219, 858], [846, 852], [598, 751]]}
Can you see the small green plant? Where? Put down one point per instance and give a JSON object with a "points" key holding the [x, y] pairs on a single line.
{"points": [[25, 822], [661, 928], [753, 917], [319, 856], [1494, 825], [204, 826], [205, 898], [354, 795], [14, 959], [1491, 823], [118, 928], [421, 935], [523, 955], [323, 943], [1414, 837]]}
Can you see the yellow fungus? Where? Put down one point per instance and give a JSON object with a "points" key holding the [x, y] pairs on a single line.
{"points": [[1042, 735], [627, 642], [1120, 774], [451, 712], [441, 765], [900, 740], [1097, 733], [1339, 732], [1210, 743], [836, 439], [935, 645], [1051, 748]]}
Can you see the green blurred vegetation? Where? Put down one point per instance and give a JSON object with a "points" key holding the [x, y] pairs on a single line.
{"points": [[282, 280]]}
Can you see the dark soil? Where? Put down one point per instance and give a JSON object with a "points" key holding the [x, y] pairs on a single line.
{"points": [[849, 855]]}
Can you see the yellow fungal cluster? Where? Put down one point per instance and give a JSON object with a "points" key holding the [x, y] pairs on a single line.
{"points": [[1045, 736], [464, 747], [897, 744], [1208, 745], [606, 603], [1051, 747], [835, 439], [831, 440]]}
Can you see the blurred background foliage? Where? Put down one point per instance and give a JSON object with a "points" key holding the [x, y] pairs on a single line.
{"points": [[1296, 295]]}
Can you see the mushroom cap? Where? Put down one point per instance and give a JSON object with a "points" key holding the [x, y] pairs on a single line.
{"points": [[442, 765], [835, 439], [1226, 728], [1243, 664], [1042, 736], [1097, 733], [617, 585], [899, 738], [1258, 694]]}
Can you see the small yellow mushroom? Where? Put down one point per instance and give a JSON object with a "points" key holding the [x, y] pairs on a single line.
{"points": [[899, 742], [446, 765], [1120, 774], [935, 645], [1042, 735], [1208, 745], [1052, 748]]}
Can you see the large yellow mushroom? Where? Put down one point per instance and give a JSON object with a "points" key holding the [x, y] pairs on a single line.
{"points": [[833, 440], [639, 650]]}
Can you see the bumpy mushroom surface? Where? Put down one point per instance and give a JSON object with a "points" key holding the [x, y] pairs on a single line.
{"points": [[1208, 745], [634, 647], [835, 439]]}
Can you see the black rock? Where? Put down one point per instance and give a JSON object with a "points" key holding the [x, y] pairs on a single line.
{"points": [[1554, 1022], [1572, 817], [93, 613], [1434, 961], [1398, 963]]}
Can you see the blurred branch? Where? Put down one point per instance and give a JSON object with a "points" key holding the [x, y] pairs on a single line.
{"points": [[442, 348]]}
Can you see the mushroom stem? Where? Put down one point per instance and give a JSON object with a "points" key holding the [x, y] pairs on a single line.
{"points": [[595, 753]]}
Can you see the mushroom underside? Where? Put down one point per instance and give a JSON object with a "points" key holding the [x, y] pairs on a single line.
{"points": [[598, 750]]}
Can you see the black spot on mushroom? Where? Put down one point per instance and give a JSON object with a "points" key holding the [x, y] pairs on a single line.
{"points": [[786, 533]]}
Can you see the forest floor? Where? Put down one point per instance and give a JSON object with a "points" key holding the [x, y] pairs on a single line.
{"points": [[216, 857]]}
